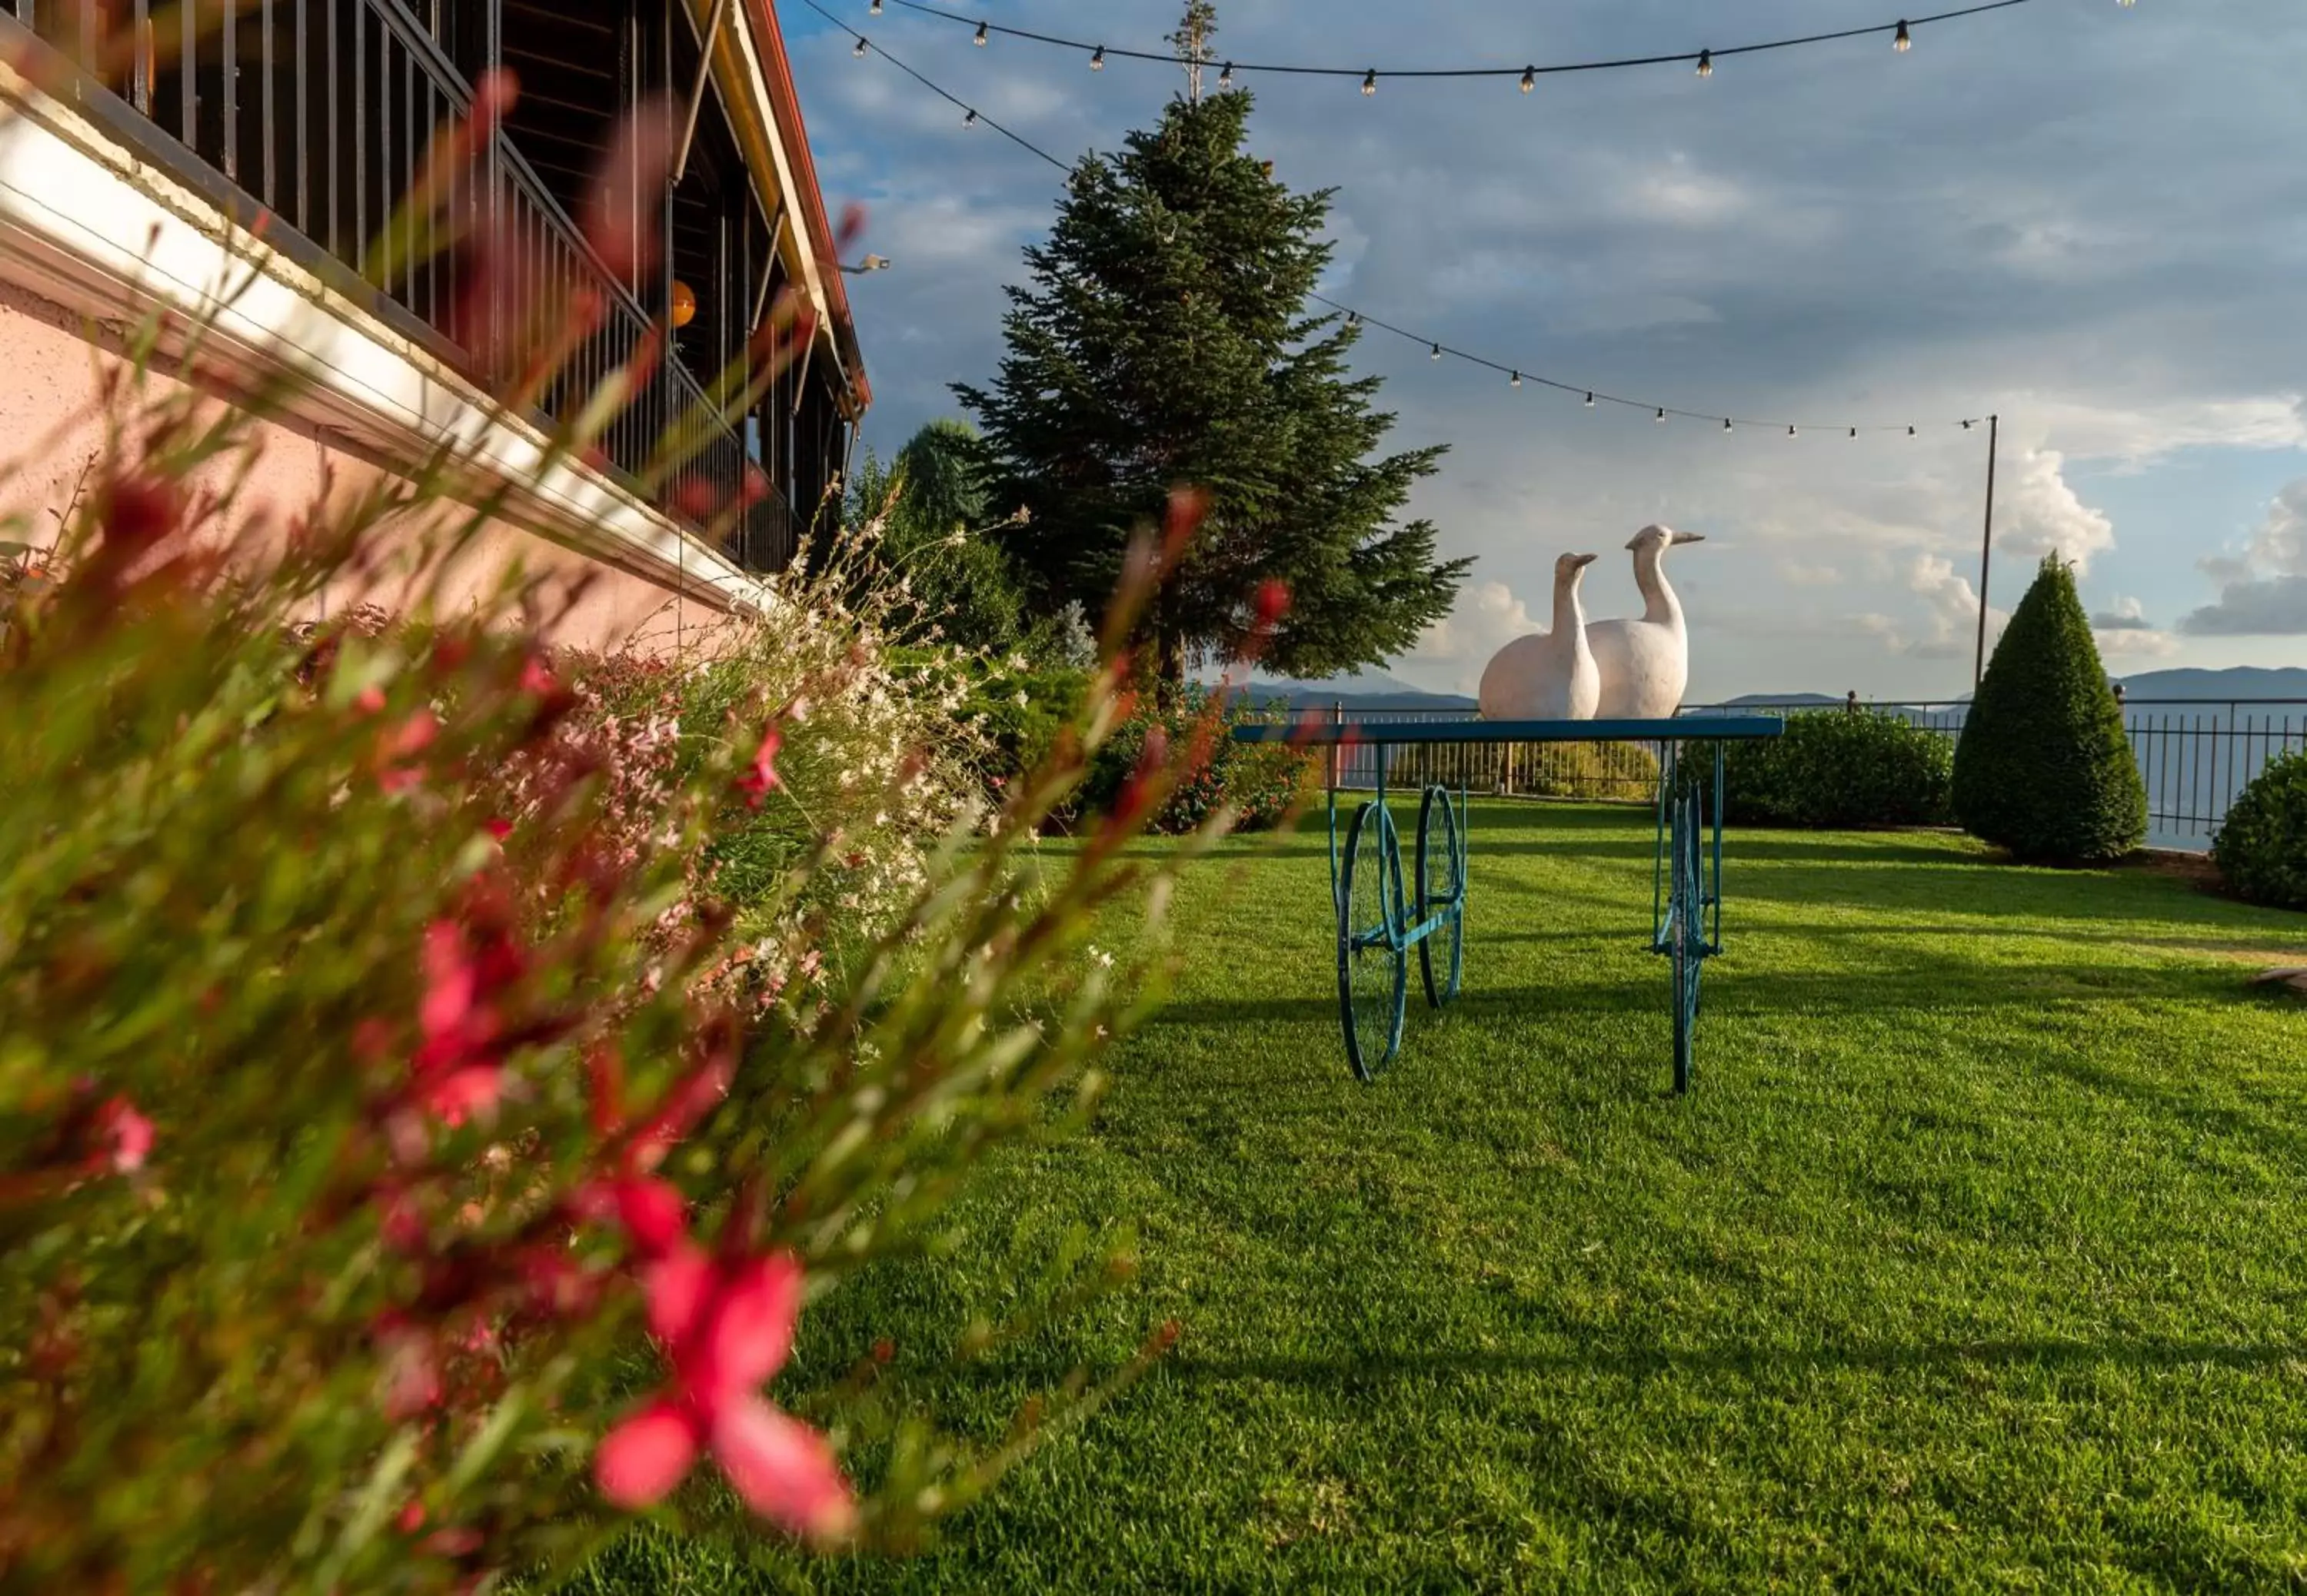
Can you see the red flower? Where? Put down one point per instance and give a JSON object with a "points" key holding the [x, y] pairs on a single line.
{"points": [[726, 1329], [128, 1133], [461, 1060], [755, 782]]}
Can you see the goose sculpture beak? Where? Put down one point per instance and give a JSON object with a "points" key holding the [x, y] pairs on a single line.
{"points": [[1581, 561], [1686, 537]]}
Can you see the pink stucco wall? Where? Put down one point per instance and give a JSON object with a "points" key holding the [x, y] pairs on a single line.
{"points": [[51, 433]]}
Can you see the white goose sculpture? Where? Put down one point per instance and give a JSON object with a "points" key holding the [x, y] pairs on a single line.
{"points": [[1645, 663], [1547, 676]]}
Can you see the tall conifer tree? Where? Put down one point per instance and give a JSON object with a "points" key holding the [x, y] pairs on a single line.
{"points": [[1164, 339]]}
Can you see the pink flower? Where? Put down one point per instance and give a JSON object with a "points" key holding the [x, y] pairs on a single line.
{"points": [[725, 1328], [459, 1063], [129, 1133], [755, 782]]}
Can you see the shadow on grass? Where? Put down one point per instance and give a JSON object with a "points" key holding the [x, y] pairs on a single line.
{"points": [[1762, 1364], [1730, 990]]}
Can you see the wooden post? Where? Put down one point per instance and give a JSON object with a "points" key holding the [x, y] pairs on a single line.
{"points": [[1986, 554]]}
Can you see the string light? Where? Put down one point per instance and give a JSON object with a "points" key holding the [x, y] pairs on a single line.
{"points": [[1902, 44], [1704, 59], [1369, 83], [874, 9], [1790, 430], [862, 46], [1354, 317], [1590, 401], [1097, 61]]}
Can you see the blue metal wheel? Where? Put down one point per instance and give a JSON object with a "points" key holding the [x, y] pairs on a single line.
{"points": [[1441, 891], [1373, 963], [1687, 926]]}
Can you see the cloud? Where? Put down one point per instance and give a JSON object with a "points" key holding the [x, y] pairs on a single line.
{"points": [[1455, 648], [2086, 229], [2133, 642], [2038, 514], [2263, 587], [2126, 615]]}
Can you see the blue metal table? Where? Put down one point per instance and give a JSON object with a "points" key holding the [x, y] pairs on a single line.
{"points": [[1378, 924]]}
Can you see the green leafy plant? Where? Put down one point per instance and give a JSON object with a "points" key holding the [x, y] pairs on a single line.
{"points": [[2261, 847], [1834, 769], [2043, 767], [1246, 786], [388, 1045]]}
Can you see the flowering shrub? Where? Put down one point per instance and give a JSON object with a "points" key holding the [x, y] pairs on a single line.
{"points": [[1246, 786], [379, 1061]]}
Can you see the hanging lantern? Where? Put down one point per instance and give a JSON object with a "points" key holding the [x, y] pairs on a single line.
{"points": [[684, 304]]}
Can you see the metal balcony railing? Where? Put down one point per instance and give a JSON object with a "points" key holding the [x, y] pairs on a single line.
{"points": [[322, 112]]}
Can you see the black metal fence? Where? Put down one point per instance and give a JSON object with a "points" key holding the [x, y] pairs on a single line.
{"points": [[2195, 755], [323, 112], [1611, 772]]}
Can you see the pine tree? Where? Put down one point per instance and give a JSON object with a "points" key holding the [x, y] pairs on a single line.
{"points": [[1162, 340], [2043, 767]]}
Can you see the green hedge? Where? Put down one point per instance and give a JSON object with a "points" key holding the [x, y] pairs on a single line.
{"points": [[1261, 781], [1835, 769], [2262, 847]]}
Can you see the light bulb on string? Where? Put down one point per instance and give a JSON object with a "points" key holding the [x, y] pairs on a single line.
{"points": [[1517, 379], [1854, 432], [874, 10], [1726, 423], [1225, 78], [981, 32], [1910, 432], [970, 120], [1590, 401], [1353, 317], [1790, 430], [1966, 425], [1660, 416], [1903, 43], [1097, 61], [1529, 79], [860, 51], [1369, 82], [1437, 352], [1705, 63]]}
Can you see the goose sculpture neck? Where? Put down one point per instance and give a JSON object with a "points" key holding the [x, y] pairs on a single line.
{"points": [[1659, 606]]}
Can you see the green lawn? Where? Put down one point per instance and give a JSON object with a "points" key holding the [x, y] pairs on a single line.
{"points": [[1975, 1260]]}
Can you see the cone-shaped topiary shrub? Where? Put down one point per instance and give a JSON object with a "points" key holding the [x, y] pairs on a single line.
{"points": [[2261, 848], [2043, 768]]}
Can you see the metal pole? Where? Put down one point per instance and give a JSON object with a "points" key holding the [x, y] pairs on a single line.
{"points": [[1986, 554]]}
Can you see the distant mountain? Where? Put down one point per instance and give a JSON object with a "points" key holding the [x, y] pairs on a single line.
{"points": [[1781, 700], [2218, 687], [1367, 691]]}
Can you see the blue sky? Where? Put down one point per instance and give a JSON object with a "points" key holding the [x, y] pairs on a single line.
{"points": [[2088, 217]]}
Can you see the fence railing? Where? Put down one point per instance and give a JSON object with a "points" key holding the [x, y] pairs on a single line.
{"points": [[324, 113], [2195, 755], [1611, 772]]}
